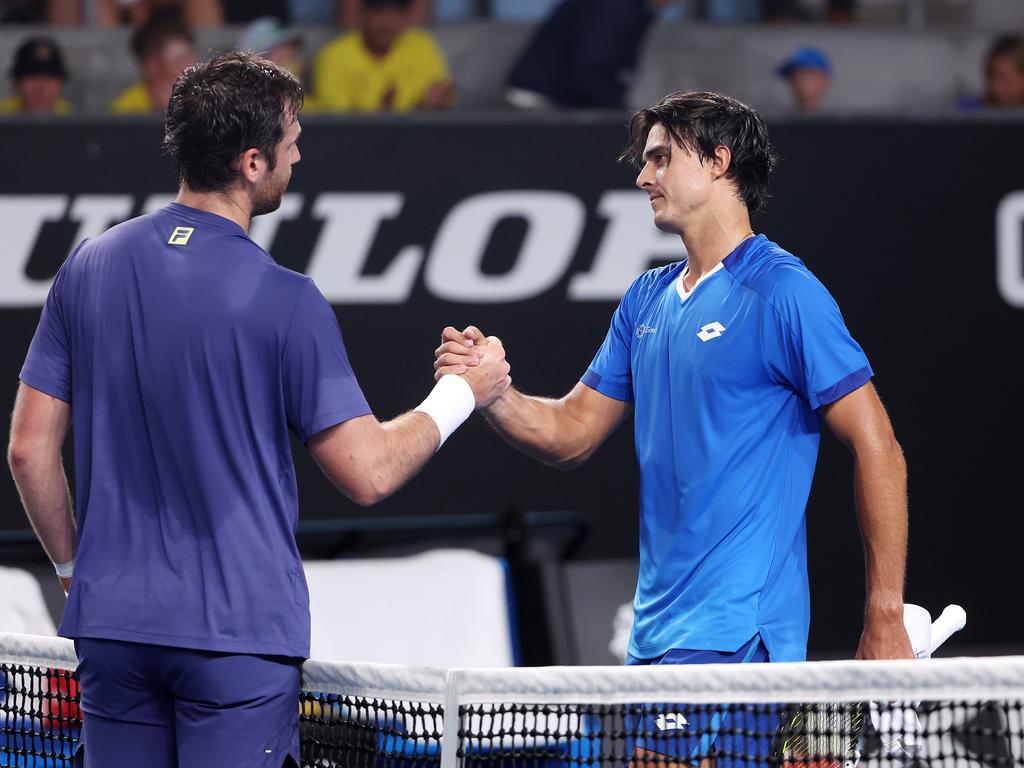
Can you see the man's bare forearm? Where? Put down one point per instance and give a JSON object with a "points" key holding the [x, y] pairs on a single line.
{"points": [[542, 428], [43, 487], [881, 488]]}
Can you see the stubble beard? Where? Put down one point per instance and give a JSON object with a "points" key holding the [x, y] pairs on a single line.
{"points": [[268, 197]]}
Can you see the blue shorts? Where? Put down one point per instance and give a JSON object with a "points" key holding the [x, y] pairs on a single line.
{"points": [[691, 733], [177, 706]]}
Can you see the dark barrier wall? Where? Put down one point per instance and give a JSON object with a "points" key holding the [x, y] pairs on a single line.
{"points": [[531, 231]]}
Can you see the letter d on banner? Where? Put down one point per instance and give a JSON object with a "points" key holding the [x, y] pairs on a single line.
{"points": [[1010, 249]]}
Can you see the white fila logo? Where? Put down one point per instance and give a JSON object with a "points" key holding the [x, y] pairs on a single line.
{"points": [[710, 331], [673, 721]]}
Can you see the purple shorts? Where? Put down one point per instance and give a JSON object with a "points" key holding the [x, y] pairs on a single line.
{"points": [[177, 706]]}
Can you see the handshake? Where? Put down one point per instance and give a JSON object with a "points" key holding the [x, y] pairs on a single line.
{"points": [[478, 359]]}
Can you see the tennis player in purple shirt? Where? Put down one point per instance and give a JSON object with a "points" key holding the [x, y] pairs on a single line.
{"points": [[183, 355]]}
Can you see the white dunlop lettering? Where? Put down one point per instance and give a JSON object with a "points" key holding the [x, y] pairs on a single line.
{"points": [[629, 246], [95, 214], [156, 202], [21, 218], [351, 222], [1010, 249], [554, 223]]}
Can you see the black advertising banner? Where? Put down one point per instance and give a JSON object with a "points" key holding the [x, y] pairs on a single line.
{"points": [[531, 231]]}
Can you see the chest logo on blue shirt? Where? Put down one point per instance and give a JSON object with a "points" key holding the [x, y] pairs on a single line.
{"points": [[711, 331], [180, 235], [643, 329]]}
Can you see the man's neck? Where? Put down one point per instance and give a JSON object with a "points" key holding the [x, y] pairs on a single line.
{"points": [[708, 243], [231, 205]]}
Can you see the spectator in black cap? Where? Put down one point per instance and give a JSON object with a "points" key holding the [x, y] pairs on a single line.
{"points": [[38, 73], [809, 74]]}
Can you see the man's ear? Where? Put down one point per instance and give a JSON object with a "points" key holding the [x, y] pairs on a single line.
{"points": [[722, 161], [251, 164]]}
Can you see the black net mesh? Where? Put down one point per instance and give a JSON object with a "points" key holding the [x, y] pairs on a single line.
{"points": [[368, 733], [40, 723], [832, 735]]}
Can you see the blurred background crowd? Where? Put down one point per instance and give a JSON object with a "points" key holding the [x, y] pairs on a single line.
{"points": [[888, 56]]}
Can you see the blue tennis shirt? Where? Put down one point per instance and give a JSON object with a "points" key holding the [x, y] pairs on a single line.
{"points": [[187, 354], [726, 385]]}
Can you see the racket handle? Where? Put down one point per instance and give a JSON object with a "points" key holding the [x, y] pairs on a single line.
{"points": [[953, 619]]}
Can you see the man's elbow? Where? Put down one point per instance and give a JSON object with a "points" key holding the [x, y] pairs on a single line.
{"points": [[22, 455], [367, 491], [882, 447]]}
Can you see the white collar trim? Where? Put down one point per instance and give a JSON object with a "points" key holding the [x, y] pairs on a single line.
{"points": [[685, 294]]}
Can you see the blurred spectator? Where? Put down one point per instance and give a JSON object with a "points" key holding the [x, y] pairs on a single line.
{"points": [[108, 13], [384, 65], [583, 55], [38, 73], [163, 47], [420, 13], [283, 45], [22, 11], [809, 75], [783, 11], [1004, 72]]}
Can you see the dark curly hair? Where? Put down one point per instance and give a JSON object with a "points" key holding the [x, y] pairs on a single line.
{"points": [[223, 107], [702, 121]]}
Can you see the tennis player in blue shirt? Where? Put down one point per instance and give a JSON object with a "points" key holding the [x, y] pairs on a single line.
{"points": [[730, 360], [184, 355]]}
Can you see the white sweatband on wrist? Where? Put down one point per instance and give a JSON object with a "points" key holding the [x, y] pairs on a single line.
{"points": [[449, 403], [64, 570]]}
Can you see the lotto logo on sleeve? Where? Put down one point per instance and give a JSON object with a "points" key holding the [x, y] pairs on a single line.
{"points": [[180, 235], [711, 331]]}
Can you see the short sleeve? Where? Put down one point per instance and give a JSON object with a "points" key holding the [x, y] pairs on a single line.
{"points": [[319, 384], [611, 372], [807, 345], [48, 362]]}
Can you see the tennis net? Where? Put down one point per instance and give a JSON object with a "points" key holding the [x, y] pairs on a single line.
{"points": [[962, 713]]}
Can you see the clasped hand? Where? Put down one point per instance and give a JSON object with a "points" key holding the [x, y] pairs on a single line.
{"points": [[478, 359]]}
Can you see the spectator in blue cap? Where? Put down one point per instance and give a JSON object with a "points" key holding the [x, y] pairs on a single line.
{"points": [[809, 74]]}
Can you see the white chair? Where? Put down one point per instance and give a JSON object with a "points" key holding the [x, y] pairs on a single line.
{"points": [[22, 607], [445, 608]]}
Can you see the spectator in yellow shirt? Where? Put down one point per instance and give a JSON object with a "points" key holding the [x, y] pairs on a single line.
{"points": [[38, 73], [385, 65], [163, 47]]}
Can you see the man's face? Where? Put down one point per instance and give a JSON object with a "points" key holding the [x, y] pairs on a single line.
{"points": [[1005, 83], [675, 179], [39, 92], [809, 86], [161, 70], [381, 27], [271, 188]]}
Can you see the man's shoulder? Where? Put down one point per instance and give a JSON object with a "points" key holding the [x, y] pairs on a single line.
{"points": [[10, 105], [132, 100], [344, 45], [771, 272], [656, 279], [418, 41]]}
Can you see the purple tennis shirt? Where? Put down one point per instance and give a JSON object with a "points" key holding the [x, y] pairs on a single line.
{"points": [[187, 355]]}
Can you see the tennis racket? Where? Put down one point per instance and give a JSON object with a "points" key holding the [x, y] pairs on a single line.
{"points": [[828, 735]]}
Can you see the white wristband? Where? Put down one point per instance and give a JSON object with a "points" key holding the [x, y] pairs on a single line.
{"points": [[64, 570], [449, 403]]}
